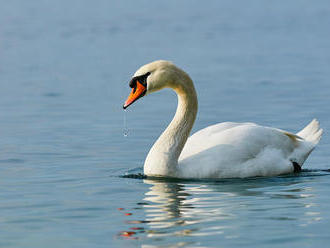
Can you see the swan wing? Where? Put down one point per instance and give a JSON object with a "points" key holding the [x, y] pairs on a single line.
{"points": [[239, 150]]}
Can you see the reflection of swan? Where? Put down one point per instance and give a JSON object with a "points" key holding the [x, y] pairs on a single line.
{"points": [[182, 205], [227, 207], [168, 198], [218, 151]]}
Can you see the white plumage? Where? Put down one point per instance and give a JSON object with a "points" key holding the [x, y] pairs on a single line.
{"points": [[224, 150], [245, 150]]}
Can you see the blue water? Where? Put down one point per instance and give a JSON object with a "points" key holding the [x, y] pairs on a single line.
{"points": [[64, 72]]}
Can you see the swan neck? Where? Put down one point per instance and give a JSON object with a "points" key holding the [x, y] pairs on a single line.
{"points": [[163, 156]]}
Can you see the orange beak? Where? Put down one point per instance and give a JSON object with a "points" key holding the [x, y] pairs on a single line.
{"points": [[136, 93]]}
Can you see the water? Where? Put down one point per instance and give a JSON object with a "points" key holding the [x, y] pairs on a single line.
{"points": [[64, 72]]}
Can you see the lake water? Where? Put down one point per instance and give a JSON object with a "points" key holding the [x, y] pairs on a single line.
{"points": [[68, 176]]}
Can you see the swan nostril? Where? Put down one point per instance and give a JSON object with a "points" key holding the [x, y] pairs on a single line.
{"points": [[135, 86]]}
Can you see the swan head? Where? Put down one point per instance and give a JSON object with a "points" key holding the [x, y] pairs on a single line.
{"points": [[150, 78]]}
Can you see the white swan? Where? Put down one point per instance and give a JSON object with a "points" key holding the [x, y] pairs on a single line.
{"points": [[224, 150]]}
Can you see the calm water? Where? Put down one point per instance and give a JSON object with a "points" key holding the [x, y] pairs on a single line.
{"points": [[64, 72]]}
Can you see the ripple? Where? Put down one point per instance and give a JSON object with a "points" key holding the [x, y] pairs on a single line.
{"points": [[52, 94], [137, 173], [224, 208], [12, 161]]}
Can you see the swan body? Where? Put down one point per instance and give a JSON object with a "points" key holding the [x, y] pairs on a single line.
{"points": [[224, 150]]}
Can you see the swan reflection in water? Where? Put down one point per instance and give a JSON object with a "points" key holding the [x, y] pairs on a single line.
{"points": [[178, 212]]}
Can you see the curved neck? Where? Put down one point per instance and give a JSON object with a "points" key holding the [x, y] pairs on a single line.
{"points": [[162, 159]]}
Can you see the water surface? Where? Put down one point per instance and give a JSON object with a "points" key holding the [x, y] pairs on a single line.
{"points": [[64, 72]]}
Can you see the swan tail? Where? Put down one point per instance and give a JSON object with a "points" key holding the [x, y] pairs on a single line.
{"points": [[311, 136], [312, 132]]}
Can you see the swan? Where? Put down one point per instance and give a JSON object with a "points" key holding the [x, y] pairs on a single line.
{"points": [[224, 150]]}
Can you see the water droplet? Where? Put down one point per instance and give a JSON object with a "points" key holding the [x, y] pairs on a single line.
{"points": [[125, 129]]}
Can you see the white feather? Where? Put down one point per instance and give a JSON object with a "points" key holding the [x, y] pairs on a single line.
{"points": [[224, 150]]}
